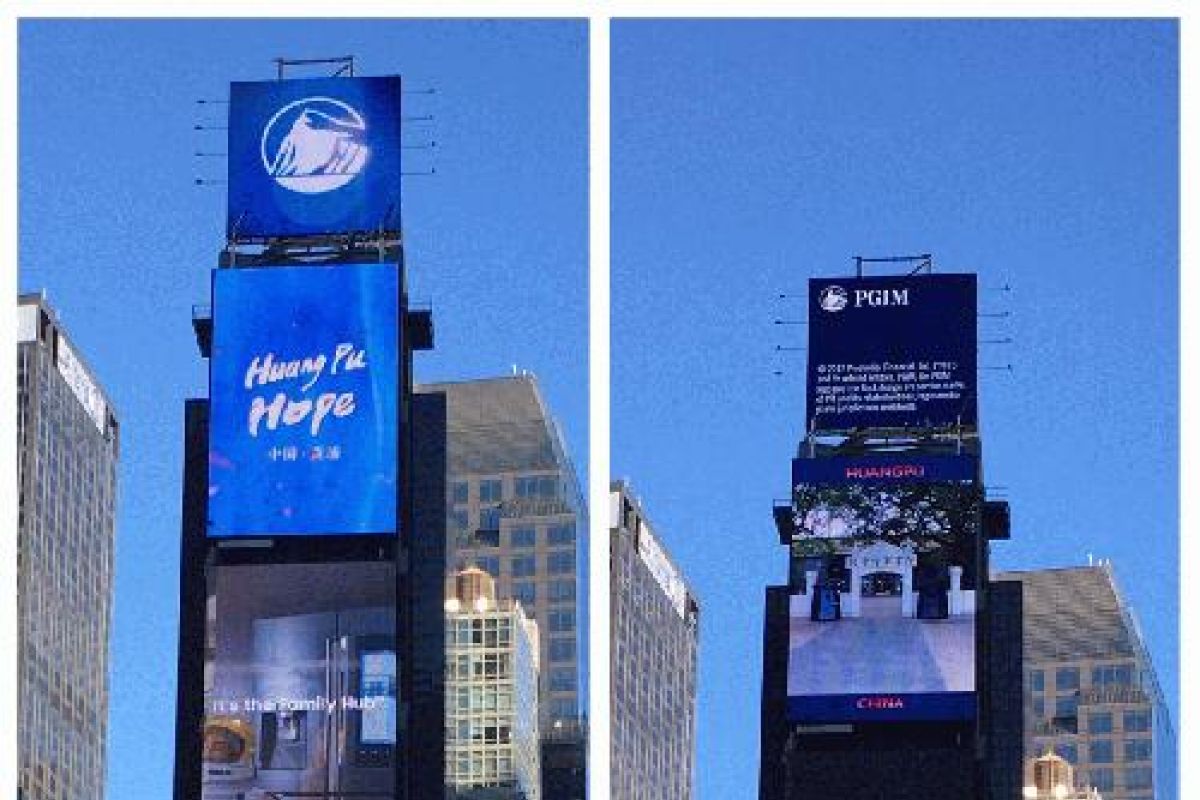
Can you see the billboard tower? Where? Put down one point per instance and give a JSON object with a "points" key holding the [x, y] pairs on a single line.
{"points": [[877, 653], [304, 664]]}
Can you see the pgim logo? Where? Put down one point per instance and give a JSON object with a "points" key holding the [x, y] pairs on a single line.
{"points": [[833, 298], [315, 145]]}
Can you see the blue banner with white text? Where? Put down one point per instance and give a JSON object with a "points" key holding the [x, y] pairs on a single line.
{"points": [[304, 383]]}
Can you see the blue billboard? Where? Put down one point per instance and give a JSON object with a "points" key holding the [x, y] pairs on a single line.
{"points": [[883, 468], [314, 156], [892, 352], [304, 385]]}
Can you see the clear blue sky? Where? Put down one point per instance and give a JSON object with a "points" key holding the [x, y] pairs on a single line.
{"points": [[113, 226], [750, 156]]}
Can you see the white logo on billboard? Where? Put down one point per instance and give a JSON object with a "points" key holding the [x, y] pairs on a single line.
{"points": [[314, 145], [833, 298]]}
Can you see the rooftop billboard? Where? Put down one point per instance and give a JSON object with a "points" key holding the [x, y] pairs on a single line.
{"points": [[314, 156], [891, 352], [882, 627], [304, 381]]}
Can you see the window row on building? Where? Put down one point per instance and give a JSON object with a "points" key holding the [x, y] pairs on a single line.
{"points": [[492, 490]]}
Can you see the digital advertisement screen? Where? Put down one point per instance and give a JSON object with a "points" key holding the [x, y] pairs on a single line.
{"points": [[300, 681], [313, 156], [304, 385], [892, 352], [882, 627]]}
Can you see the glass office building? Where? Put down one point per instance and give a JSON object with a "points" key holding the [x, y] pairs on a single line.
{"points": [[492, 741], [67, 444], [1091, 695], [655, 624], [514, 510]]}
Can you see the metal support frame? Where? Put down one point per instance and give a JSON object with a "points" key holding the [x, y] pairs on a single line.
{"points": [[346, 65], [923, 262]]}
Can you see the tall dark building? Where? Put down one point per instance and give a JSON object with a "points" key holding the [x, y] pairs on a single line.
{"points": [[67, 448], [891, 664], [312, 640]]}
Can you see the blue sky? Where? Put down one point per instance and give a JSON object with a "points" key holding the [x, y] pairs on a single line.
{"points": [[114, 227], [750, 156]]}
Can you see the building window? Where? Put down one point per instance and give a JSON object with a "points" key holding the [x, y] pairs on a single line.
{"points": [[562, 708], [1066, 751], [537, 486], [489, 564], [562, 650], [562, 680], [490, 491], [1066, 679], [1100, 751], [1037, 680], [1112, 675], [525, 592], [457, 519], [489, 518], [1066, 710], [560, 562], [1039, 707], [1137, 749], [1139, 778], [561, 590], [1100, 722], [562, 620], [560, 534], [461, 491], [523, 537], [523, 566], [1102, 778], [1137, 721]]}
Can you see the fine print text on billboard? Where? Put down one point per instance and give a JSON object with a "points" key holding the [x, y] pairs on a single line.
{"points": [[882, 627], [304, 401], [892, 352], [314, 156]]}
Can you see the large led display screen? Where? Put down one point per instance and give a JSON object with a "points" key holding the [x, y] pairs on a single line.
{"points": [[892, 352], [314, 156], [882, 625], [304, 381], [300, 681]]}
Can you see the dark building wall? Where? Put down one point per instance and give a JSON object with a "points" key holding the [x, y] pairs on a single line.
{"points": [[564, 760], [913, 761], [774, 731], [1005, 667], [189, 701], [427, 556]]}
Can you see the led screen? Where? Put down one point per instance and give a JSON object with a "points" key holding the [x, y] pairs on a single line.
{"points": [[314, 156], [304, 401], [895, 352], [882, 626], [300, 681]]}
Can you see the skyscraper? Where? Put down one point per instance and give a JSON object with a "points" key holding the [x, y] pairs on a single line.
{"points": [[655, 625], [1091, 695], [514, 509], [492, 740], [67, 444]]}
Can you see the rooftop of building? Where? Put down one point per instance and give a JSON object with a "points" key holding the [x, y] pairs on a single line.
{"points": [[622, 488], [1079, 613], [41, 301], [499, 424]]}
